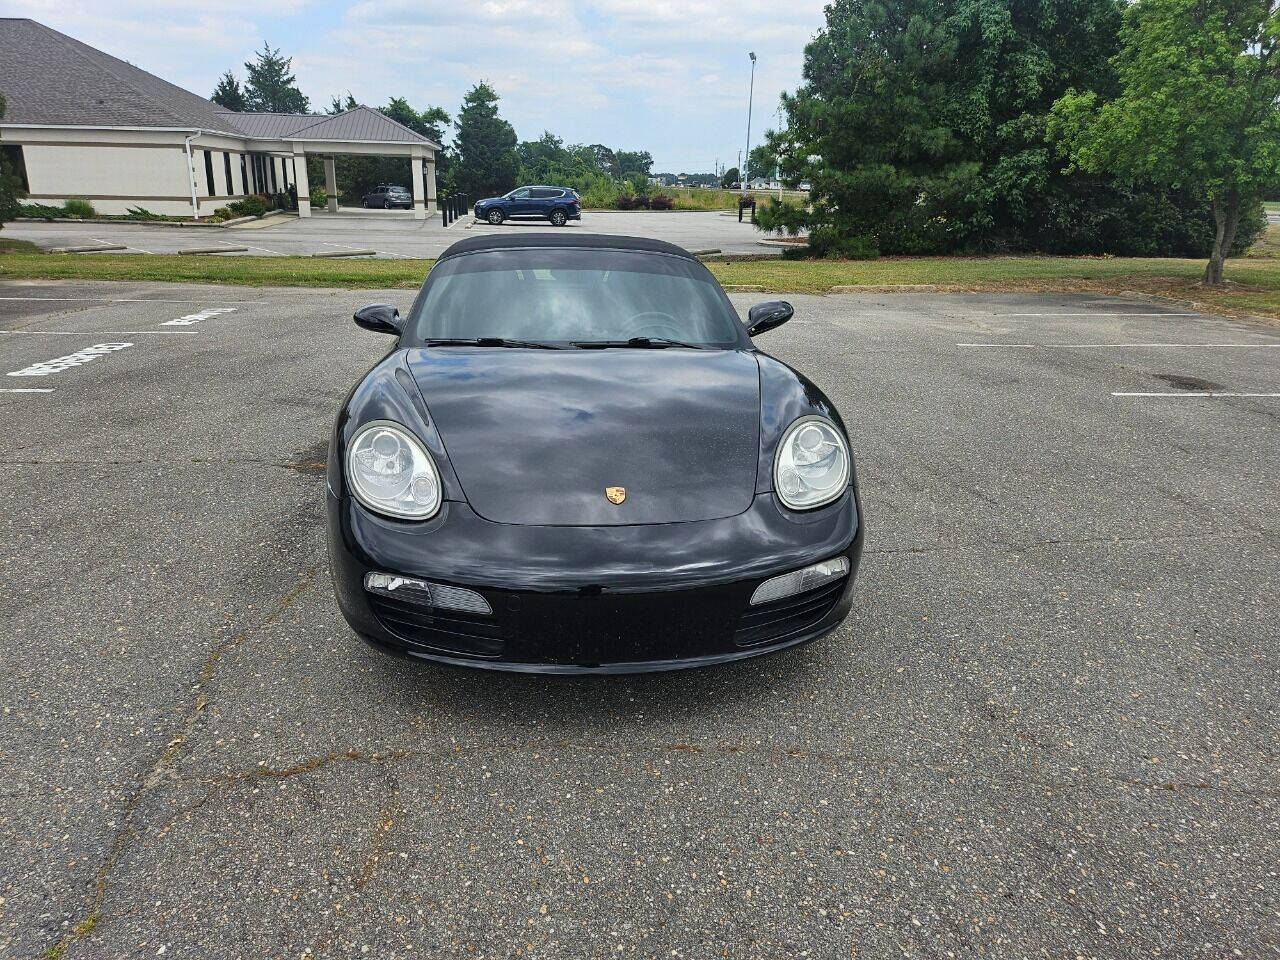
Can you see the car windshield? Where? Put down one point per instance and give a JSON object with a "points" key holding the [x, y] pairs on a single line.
{"points": [[403, 190], [574, 297]]}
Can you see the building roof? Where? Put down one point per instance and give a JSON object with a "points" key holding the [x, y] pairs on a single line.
{"points": [[267, 126], [49, 78], [360, 123], [589, 241]]}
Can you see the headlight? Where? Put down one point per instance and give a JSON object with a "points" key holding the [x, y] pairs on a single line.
{"points": [[391, 473], [812, 465]]}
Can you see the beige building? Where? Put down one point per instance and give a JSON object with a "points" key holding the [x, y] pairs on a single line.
{"points": [[81, 123]]}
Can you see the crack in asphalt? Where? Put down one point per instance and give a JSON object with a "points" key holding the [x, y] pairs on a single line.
{"points": [[1247, 533], [171, 461], [162, 765], [384, 758]]}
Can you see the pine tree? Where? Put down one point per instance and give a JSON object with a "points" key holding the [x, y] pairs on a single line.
{"points": [[228, 93], [485, 146], [271, 86]]}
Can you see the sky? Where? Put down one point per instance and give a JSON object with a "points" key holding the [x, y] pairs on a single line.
{"points": [[667, 76]]}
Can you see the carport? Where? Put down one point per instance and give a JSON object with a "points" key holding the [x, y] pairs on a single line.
{"points": [[359, 132]]}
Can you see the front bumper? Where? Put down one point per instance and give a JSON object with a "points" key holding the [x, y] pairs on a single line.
{"points": [[594, 599]]}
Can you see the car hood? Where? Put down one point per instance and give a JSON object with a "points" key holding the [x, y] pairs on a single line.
{"points": [[535, 436]]}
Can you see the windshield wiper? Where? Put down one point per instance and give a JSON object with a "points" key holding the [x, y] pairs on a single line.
{"points": [[640, 343], [490, 342]]}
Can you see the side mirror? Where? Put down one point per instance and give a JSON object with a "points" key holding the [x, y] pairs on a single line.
{"points": [[380, 318], [766, 316]]}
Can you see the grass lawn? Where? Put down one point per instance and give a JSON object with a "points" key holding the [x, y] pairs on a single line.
{"points": [[17, 246], [1253, 288]]}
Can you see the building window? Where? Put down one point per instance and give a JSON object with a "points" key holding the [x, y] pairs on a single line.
{"points": [[17, 163], [208, 174], [244, 176], [226, 166]]}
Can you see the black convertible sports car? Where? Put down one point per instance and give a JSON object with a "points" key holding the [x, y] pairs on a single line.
{"points": [[574, 460]]}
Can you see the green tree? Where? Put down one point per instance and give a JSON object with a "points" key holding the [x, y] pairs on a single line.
{"points": [[228, 93], [764, 161], [730, 177], [10, 186], [632, 162], [338, 105], [430, 123], [485, 145], [270, 86], [920, 124], [1197, 108], [606, 160]]}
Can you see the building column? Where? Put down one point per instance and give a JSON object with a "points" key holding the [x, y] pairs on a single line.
{"points": [[331, 185], [431, 184], [419, 212], [304, 191]]}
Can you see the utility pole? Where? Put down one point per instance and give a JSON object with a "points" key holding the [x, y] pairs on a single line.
{"points": [[750, 97]]}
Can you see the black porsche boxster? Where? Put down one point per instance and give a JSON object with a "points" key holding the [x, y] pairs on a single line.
{"points": [[575, 461]]}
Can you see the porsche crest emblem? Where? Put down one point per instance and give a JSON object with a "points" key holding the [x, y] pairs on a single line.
{"points": [[615, 494]]}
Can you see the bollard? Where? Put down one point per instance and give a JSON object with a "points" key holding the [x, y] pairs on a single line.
{"points": [[444, 211]]}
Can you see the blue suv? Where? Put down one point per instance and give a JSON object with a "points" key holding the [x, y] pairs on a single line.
{"points": [[557, 204]]}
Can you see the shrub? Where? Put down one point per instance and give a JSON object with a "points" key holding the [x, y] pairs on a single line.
{"points": [[40, 210], [142, 213], [662, 202], [78, 207], [318, 197], [223, 213], [251, 206], [626, 201], [824, 241]]}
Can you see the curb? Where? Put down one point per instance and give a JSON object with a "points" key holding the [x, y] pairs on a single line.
{"points": [[86, 248], [198, 250], [345, 253], [885, 288]]}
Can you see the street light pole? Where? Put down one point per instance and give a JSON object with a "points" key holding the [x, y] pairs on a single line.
{"points": [[742, 171]]}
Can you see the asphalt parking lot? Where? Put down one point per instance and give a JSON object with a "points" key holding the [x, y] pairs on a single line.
{"points": [[1048, 728], [388, 233]]}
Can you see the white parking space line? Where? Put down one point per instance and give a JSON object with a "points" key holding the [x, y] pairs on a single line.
{"points": [[1183, 394], [44, 368], [116, 300], [1091, 346], [26, 389], [228, 243], [1097, 314], [91, 333]]}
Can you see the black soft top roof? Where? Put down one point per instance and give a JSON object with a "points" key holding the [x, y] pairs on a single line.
{"points": [[596, 241]]}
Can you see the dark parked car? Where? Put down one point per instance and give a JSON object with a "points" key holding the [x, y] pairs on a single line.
{"points": [[388, 196], [575, 460], [558, 205]]}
